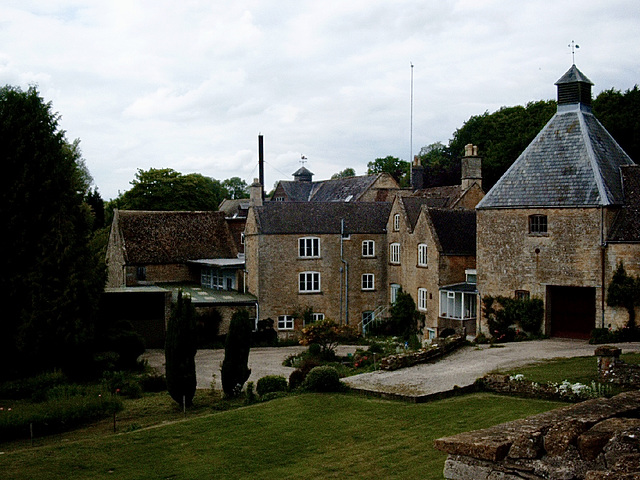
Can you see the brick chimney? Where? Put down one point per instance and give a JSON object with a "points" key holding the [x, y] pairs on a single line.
{"points": [[417, 174], [471, 167]]}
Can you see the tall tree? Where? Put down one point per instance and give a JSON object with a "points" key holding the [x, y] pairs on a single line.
{"points": [[347, 172], [165, 189], [235, 188], [235, 366], [180, 351], [51, 282], [398, 169], [620, 114]]}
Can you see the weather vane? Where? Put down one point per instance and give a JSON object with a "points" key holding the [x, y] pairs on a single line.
{"points": [[303, 160], [573, 47]]}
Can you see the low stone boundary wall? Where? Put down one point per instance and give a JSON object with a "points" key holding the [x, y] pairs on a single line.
{"points": [[404, 360], [613, 370], [594, 440]]}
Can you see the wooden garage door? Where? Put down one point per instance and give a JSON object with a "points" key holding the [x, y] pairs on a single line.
{"points": [[571, 311]]}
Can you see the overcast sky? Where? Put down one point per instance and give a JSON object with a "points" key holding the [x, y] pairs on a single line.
{"points": [[190, 84]]}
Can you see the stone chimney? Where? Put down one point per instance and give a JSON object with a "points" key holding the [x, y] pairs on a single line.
{"points": [[255, 193], [417, 174], [471, 167]]}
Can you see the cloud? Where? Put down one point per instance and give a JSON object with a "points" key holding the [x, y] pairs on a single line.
{"points": [[189, 85]]}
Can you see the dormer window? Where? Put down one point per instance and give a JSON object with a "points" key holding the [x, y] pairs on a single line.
{"points": [[396, 222]]}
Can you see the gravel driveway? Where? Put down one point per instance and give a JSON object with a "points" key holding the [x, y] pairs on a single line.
{"points": [[460, 368], [262, 361]]}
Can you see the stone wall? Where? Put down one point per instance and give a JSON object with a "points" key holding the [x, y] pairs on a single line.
{"points": [[613, 370], [403, 360], [593, 440]]}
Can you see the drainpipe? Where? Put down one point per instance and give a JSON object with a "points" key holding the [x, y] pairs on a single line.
{"points": [[603, 248], [346, 276]]}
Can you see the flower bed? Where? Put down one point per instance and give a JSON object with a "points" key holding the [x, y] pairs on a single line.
{"points": [[404, 360]]}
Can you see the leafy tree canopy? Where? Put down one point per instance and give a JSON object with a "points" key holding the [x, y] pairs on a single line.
{"points": [[347, 172], [398, 169], [235, 188], [165, 189]]}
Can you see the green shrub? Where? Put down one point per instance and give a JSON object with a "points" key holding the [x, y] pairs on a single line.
{"points": [[251, 395], [235, 370], [31, 387], [69, 407], [271, 383], [323, 379], [296, 379], [153, 382], [125, 384], [504, 314]]}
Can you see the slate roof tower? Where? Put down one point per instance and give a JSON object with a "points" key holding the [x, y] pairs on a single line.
{"points": [[573, 161]]}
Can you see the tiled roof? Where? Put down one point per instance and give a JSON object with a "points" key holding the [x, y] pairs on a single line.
{"points": [[626, 227], [573, 162], [456, 230], [322, 217], [151, 237], [334, 190], [234, 208]]}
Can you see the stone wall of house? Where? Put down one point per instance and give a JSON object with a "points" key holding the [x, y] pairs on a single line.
{"points": [[593, 440], [162, 274], [273, 276], [510, 259]]}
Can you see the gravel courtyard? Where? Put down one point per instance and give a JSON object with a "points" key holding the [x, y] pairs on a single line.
{"points": [[460, 368]]}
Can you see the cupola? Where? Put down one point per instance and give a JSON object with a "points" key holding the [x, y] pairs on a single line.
{"points": [[574, 87], [302, 175]]}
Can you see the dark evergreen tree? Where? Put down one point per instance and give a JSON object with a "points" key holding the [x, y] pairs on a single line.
{"points": [[404, 315], [51, 281], [235, 368], [619, 113], [624, 291], [180, 351]]}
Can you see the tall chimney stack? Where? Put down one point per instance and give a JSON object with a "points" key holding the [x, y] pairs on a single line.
{"points": [[261, 165], [471, 167]]}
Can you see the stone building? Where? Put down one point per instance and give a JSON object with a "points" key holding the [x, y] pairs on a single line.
{"points": [[329, 258], [366, 188], [561, 217], [431, 239], [153, 251]]}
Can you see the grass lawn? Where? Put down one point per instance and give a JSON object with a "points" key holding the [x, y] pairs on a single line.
{"points": [[303, 436], [577, 369]]}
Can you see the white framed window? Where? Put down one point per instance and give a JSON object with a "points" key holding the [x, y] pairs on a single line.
{"points": [[368, 281], [368, 248], [394, 253], [394, 289], [285, 322], [309, 282], [422, 255], [242, 238], [458, 305], [396, 222], [309, 247], [317, 317], [471, 275], [422, 299]]}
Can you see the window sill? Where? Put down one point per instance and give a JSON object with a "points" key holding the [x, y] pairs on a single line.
{"points": [[422, 266], [319, 292], [368, 290], [534, 234], [310, 258]]}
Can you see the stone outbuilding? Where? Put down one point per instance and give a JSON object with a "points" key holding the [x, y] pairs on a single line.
{"points": [[560, 219]]}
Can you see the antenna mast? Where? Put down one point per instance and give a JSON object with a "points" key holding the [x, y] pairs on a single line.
{"points": [[411, 133]]}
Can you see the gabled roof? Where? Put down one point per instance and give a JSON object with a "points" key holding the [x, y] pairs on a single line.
{"points": [[626, 227], [455, 230], [234, 208], [322, 217], [152, 237], [335, 190], [572, 162]]}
